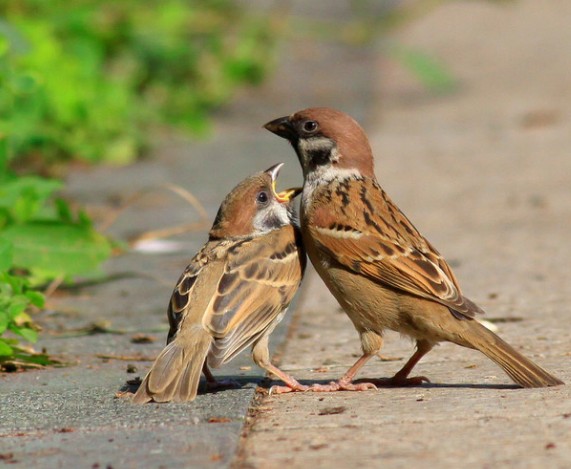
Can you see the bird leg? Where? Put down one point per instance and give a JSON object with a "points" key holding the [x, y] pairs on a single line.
{"points": [[291, 383], [401, 378], [213, 383], [261, 357], [346, 382]]}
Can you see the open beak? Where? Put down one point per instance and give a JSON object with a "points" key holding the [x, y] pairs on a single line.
{"points": [[288, 194], [281, 127]]}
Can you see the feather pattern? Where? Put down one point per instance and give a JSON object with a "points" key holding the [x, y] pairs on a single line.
{"points": [[234, 291], [374, 238], [249, 287]]}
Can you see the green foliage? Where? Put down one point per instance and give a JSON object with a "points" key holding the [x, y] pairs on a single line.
{"points": [[89, 79], [45, 238], [15, 297], [40, 239]]}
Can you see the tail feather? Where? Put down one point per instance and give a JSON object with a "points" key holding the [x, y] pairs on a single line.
{"points": [[175, 375], [517, 366]]}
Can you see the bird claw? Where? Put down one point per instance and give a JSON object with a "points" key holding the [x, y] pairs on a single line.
{"points": [[287, 389], [415, 381], [335, 386]]}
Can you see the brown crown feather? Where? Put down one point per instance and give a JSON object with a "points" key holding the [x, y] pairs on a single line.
{"points": [[352, 142]]}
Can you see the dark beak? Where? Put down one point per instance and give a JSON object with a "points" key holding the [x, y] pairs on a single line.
{"points": [[281, 127], [288, 194]]}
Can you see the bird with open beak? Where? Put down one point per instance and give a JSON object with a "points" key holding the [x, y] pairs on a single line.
{"points": [[378, 266], [233, 293]]}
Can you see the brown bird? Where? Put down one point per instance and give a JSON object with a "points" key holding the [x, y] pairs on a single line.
{"points": [[233, 293], [378, 266]]}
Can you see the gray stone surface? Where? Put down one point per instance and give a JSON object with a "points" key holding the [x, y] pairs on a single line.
{"points": [[484, 173]]}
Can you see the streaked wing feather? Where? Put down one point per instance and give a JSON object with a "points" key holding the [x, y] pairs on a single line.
{"points": [[387, 248], [180, 298], [259, 281]]}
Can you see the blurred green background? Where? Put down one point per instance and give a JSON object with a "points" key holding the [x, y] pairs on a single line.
{"points": [[87, 80]]}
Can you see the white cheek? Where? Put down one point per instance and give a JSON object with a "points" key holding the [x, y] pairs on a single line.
{"points": [[283, 215], [307, 145], [275, 211]]}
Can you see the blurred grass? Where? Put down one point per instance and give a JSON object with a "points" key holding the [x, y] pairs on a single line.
{"points": [[91, 79]]}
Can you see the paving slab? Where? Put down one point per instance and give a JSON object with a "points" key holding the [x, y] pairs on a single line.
{"points": [[484, 174]]}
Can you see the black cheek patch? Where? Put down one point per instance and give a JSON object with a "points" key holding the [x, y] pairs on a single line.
{"points": [[320, 157]]}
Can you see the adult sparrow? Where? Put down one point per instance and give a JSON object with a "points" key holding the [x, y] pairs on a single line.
{"points": [[233, 293], [378, 266]]}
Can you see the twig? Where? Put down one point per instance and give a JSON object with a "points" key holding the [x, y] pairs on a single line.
{"points": [[186, 195], [166, 232]]}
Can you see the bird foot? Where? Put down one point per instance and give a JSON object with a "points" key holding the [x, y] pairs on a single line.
{"points": [[397, 381], [221, 384], [341, 385], [287, 389]]}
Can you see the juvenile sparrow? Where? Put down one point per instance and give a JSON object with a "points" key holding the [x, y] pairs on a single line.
{"points": [[381, 270], [233, 293]]}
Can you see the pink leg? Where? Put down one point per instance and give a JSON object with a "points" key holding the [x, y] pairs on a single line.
{"points": [[291, 383], [346, 382], [401, 378]]}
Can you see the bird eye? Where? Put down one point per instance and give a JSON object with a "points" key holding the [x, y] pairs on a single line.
{"points": [[262, 198], [310, 126]]}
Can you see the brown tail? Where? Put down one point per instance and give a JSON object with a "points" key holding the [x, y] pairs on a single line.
{"points": [[518, 367], [176, 372]]}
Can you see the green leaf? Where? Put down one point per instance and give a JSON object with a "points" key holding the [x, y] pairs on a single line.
{"points": [[39, 358], [28, 186], [16, 283], [18, 304], [24, 197], [29, 334], [63, 210], [3, 157], [6, 254], [5, 349], [36, 298], [56, 249], [4, 321]]}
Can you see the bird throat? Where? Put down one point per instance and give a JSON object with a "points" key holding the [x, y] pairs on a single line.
{"points": [[316, 152]]}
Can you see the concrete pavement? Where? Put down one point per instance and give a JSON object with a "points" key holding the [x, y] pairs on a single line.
{"points": [[483, 173]]}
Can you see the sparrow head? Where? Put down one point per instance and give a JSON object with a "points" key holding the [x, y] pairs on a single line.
{"points": [[327, 142], [254, 207]]}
